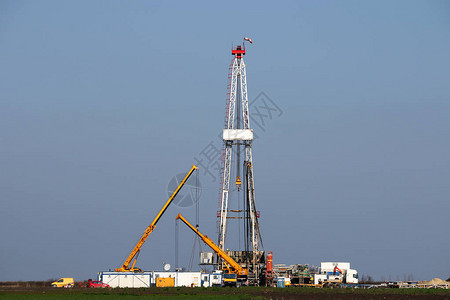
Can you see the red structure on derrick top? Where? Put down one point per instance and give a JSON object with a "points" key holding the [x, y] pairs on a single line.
{"points": [[238, 51]]}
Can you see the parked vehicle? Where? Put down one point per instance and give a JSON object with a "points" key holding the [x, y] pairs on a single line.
{"points": [[64, 282], [98, 284], [336, 274]]}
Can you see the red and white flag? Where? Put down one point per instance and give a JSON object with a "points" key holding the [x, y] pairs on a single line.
{"points": [[249, 40]]}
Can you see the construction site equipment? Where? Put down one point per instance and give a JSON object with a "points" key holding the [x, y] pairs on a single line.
{"points": [[235, 273], [165, 282], [237, 133], [435, 283], [336, 274], [301, 275], [269, 269], [135, 252]]}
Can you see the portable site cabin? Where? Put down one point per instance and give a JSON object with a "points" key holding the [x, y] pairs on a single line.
{"points": [[126, 279], [160, 279]]}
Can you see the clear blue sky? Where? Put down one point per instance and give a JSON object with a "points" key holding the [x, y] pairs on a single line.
{"points": [[103, 102]]}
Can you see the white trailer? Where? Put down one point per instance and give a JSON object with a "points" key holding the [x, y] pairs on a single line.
{"points": [[126, 279], [148, 279], [189, 279]]}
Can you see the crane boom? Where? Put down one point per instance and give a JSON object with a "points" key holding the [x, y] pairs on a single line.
{"points": [[235, 267], [133, 255]]}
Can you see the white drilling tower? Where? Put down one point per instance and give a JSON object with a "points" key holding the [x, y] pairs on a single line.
{"points": [[237, 133]]}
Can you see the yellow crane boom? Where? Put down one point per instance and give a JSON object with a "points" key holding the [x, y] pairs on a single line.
{"points": [[232, 265], [134, 254]]}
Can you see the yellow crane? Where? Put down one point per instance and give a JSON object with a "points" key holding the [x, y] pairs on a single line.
{"points": [[233, 268], [134, 254]]}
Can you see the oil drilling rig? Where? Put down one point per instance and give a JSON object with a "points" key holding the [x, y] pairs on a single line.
{"points": [[238, 135]]}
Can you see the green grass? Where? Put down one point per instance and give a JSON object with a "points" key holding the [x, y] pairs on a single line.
{"points": [[119, 296], [218, 293]]}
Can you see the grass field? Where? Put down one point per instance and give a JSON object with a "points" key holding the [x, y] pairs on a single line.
{"points": [[221, 293]]}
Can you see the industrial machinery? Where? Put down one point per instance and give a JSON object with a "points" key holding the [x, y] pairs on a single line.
{"points": [[135, 252], [235, 274], [269, 269], [237, 133], [301, 275], [336, 274]]}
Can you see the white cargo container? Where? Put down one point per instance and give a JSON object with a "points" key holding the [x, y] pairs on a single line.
{"points": [[189, 279], [206, 280], [148, 279], [126, 279], [206, 258], [215, 279]]}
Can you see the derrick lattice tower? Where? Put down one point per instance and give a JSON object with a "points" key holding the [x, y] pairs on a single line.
{"points": [[238, 134]]}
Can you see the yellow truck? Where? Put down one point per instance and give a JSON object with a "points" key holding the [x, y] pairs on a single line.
{"points": [[64, 282]]}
